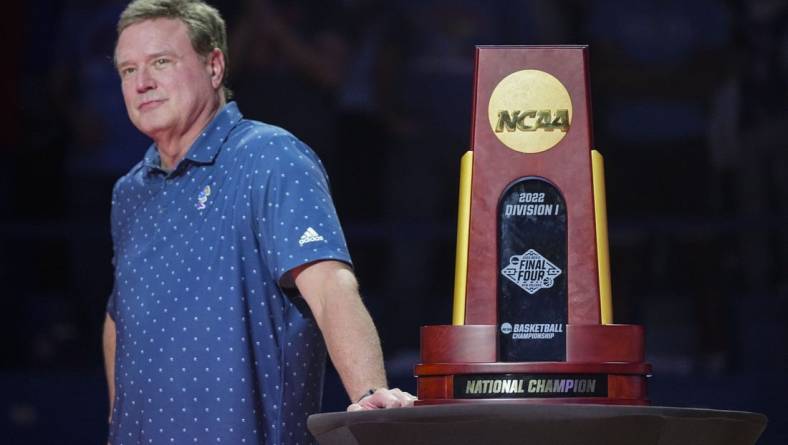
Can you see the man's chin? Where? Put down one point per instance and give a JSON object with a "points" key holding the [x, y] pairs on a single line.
{"points": [[150, 127]]}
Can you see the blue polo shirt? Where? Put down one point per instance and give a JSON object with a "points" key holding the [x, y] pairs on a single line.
{"points": [[212, 346]]}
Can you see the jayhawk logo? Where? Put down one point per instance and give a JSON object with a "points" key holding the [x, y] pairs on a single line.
{"points": [[202, 198]]}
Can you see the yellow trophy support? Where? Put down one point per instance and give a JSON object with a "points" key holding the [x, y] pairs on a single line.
{"points": [[463, 227], [602, 248]]}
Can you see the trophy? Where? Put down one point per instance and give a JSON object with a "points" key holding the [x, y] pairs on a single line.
{"points": [[532, 318], [532, 321]]}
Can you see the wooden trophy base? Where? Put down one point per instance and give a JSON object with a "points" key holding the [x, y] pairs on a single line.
{"points": [[604, 365]]}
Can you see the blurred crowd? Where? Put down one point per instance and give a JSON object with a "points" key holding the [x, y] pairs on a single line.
{"points": [[690, 109]]}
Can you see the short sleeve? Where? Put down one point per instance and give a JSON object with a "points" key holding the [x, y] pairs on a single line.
{"points": [[114, 228], [295, 215]]}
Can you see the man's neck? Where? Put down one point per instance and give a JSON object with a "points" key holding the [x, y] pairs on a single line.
{"points": [[172, 147]]}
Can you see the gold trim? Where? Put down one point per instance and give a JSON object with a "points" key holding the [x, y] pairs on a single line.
{"points": [[602, 246], [463, 228]]}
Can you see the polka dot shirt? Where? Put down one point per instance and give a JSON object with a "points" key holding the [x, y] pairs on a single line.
{"points": [[210, 348]]}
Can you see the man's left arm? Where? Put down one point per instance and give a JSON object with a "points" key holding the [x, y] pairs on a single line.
{"points": [[331, 291]]}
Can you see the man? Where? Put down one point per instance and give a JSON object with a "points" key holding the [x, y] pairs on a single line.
{"points": [[228, 258]]}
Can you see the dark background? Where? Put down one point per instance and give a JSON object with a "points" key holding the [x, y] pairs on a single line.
{"points": [[690, 105]]}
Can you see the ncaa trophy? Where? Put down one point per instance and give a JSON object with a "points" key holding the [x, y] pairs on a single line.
{"points": [[532, 351], [532, 319]]}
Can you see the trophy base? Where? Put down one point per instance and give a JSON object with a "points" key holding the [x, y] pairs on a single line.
{"points": [[604, 366]]}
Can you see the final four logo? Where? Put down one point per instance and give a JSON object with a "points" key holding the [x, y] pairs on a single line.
{"points": [[531, 271]]}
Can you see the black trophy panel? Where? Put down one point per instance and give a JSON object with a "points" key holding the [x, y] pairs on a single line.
{"points": [[532, 283]]}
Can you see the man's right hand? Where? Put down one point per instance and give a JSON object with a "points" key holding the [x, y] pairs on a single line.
{"points": [[384, 398]]}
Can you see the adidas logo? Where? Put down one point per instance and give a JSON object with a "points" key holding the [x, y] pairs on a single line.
{"points": [[309, 236]]}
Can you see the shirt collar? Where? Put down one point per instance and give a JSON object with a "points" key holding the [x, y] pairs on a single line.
{"points": [[206, 146]]}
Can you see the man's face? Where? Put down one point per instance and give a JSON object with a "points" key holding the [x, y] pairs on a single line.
{"points": [[167, 86]]}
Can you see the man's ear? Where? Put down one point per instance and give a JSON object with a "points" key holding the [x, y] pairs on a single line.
{"points": [[216, 65]]}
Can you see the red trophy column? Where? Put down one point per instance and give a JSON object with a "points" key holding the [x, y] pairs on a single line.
{"points": [[533, 313]]}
